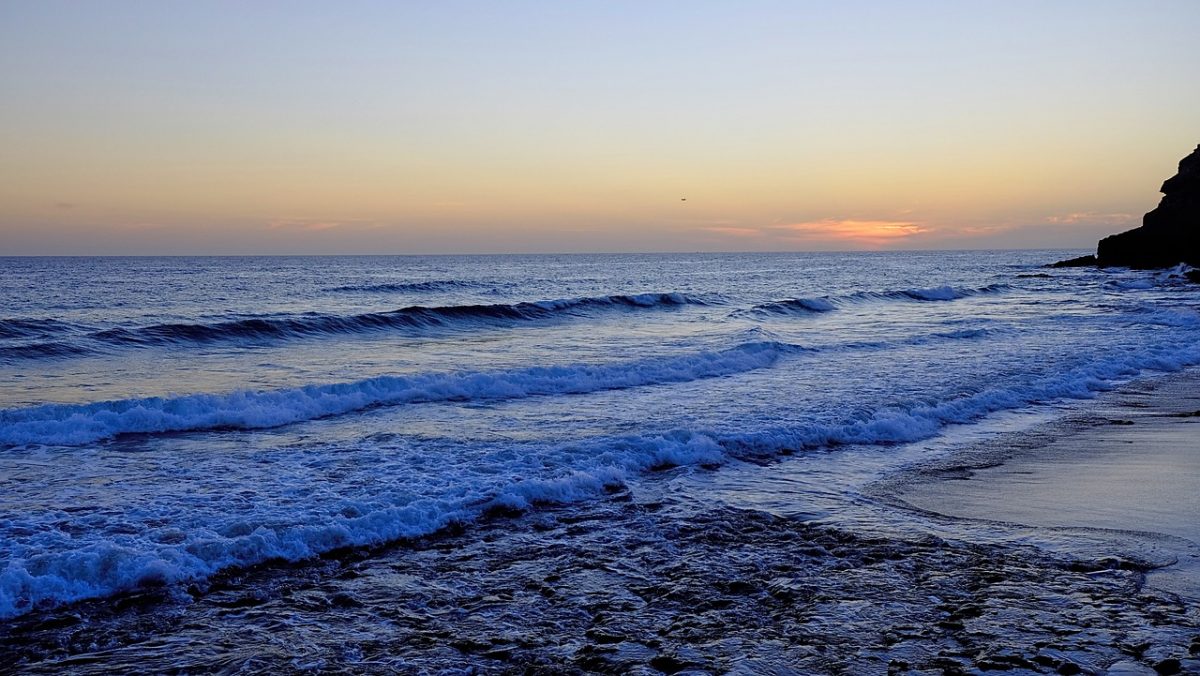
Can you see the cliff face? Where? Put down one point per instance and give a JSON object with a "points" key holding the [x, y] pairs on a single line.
{"points": [[1170, 234]]}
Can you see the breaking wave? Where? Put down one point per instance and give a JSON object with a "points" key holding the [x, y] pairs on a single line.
{"points": [[802, 306], [77, 424], [795, 306], [413, 317], [579, 470]]}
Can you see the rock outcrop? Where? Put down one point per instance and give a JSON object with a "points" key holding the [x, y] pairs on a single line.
{"points": [[1170, 234], [1081, 262]]}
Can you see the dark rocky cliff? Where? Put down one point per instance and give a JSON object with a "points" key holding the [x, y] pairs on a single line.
{"points": [[1170, 234]]}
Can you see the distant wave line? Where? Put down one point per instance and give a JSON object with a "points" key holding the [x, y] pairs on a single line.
{"points": [[427, 286], [816, 305], [415, 317]]}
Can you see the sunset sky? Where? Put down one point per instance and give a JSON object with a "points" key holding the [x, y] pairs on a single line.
{"points": [[441, 127]]}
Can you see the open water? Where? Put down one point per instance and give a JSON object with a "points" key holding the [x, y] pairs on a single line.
{"points": [[165, 422]]}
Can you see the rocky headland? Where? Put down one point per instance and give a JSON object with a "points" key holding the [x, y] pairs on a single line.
{"points": [[1169, 235]]}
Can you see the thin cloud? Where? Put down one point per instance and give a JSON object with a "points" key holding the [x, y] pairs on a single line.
{"points": [[1092, 218], [871, 233], [829, 233]]}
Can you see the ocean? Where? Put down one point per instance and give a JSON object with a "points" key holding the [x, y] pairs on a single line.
{"points": [[175, 431]]}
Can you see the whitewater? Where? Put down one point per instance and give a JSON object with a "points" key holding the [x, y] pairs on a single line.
{"points": [[167, 420]]}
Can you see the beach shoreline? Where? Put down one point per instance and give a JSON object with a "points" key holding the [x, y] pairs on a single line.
{"points": [[1127, 466], [653, 579]]}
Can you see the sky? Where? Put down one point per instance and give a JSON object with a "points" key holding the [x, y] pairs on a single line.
{"points": [[170, 127]]}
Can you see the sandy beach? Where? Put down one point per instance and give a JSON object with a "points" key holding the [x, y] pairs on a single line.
{"points": [[1132, 467]]}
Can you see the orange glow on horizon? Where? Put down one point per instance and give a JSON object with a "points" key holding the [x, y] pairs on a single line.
{"points": [[865, 233]]}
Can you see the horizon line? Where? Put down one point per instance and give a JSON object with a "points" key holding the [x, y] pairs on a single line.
{"points": [[538, 253]]}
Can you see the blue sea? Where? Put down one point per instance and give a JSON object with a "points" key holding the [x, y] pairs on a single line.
{"points": [[168, 423]]}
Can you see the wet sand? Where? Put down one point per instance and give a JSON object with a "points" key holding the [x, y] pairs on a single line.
{"points": [[1132, 466]]}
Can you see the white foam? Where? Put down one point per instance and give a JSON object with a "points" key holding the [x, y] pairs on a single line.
{"points": [[73, 425], [58, 570], [936, 293]]}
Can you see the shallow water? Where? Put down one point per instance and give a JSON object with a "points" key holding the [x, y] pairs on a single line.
{"points": [[170, 423]]}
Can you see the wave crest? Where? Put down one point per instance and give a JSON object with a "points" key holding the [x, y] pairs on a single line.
{"points": [[77, 424], [31, 328], [804, 306], [412, 317]]}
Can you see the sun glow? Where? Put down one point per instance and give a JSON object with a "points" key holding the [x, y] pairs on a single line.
{"points": [[435, 128], [858, 233]]}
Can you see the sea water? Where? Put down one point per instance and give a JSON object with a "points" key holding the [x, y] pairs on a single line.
{"points": [[167, 420]]}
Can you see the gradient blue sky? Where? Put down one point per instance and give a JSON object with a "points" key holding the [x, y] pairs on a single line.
{"points": [[388, 127]]}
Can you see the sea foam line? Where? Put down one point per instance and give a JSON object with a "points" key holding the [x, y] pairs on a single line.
{"points": [[77, 424], [581, 470]]}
